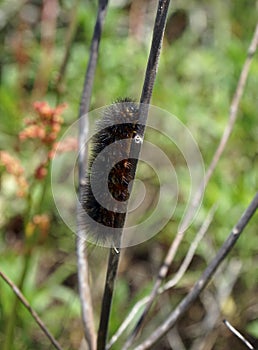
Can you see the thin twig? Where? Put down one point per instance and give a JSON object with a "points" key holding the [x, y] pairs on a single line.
{"points": [[204, 279], [234, 106], [190, 253], [84, 292], [224, 282], [128, 320], [152, 66], [232, 118], [238, 334], [172, 282], [87, 87], [83, 270], [33, 313], [174, 339]]}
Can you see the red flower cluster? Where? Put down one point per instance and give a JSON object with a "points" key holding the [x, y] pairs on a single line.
{"points": [[45, 128]]}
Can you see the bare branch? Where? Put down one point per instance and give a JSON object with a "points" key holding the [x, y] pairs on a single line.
{"points": [[85, 295], [224, 281], [204, 279], [189, 256], [234, 106], [33, 313], [83, 270], [171, 283], [232, 118], [238, 334]]}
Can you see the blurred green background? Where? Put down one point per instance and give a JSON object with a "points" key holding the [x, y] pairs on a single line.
{"points": [[204, 49]]}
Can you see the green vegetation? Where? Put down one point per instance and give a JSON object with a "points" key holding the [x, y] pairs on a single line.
{"points": [[196, 81]]}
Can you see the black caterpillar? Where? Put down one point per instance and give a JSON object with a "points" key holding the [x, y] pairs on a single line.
{"points": [[111, 169]]}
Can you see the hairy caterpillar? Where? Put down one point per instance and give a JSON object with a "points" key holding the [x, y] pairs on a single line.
{"points": [[110, 172]]}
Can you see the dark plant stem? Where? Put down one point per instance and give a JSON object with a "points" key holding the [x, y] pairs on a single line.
{"points": [[204, 279], [113, 261], [152, 66], [107, 298], [150, 76]]}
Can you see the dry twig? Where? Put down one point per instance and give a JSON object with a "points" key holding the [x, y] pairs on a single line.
{"points": [[172, 282], [238, 334], [83, 270], [204, 279], [33, 313]]}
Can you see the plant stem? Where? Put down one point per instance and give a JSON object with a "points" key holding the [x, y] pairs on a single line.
{"points": [[83, 268], [107, 298]]}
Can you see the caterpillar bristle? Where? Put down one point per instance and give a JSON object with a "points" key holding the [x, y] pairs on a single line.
{"points": [[110, 171]]}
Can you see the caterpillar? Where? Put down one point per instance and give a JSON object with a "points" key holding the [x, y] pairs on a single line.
{"points": [[111, 169]]}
